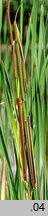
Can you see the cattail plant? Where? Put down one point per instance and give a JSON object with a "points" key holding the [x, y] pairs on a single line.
{"points": [[24, 130]]}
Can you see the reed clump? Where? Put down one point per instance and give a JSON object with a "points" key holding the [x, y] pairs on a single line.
{"points": [[24, 132]]}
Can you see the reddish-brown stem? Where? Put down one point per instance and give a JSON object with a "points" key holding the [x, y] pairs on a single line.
{"points": [[22, 138], [30, 153], [11, 39]]}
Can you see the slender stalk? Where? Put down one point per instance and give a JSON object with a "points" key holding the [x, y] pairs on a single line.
{"points": [[11, 38], [30, 153], [3, 182], [22, 138], [21, 20]]}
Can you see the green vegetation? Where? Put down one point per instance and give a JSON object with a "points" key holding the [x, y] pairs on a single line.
{"points": [[24, 102]]}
